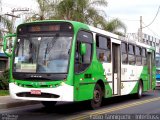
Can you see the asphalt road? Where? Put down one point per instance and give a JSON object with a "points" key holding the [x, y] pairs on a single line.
{"points": [[125, 106]]}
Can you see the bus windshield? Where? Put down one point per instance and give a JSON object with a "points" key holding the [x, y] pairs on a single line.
{"points": [[42, 53]]}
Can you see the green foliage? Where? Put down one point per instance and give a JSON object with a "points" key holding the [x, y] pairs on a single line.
{"points": [[4, 92], [114, 25], [7, 23], [4, 80], [85, 11]]}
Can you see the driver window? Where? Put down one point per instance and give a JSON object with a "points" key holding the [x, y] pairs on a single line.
{"points": [[82, 62]]}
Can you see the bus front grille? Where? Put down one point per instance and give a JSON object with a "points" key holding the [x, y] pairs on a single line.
{"points": [[42, 95]]}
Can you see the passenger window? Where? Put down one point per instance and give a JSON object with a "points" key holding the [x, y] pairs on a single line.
{"points": [[131, 54], [124, 53], [144, 57], [103, 48], [138, 55]]}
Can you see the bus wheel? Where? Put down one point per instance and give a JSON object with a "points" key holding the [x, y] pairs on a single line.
{"points": [[48, 104], [140, 90], [97, 97]]}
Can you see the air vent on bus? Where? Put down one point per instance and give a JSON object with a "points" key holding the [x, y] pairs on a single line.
{"points": [[42, 95]]}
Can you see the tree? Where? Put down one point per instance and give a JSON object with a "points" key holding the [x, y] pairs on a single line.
{"points": [[86, 11], [114, 26], [45, 10], [7, 23], [79, 10]]}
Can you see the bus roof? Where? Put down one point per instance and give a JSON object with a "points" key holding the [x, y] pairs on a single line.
{"points": [[80, 25]]}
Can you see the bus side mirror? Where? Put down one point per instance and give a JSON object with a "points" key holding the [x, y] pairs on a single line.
{"points": [[5, 43], [83, 48]]}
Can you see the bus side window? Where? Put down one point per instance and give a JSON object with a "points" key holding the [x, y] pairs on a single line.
{"points": [[103, 48], [124, 53], [153, 58], [144, 56], [138, 55], [82, 62], [131, 54]]}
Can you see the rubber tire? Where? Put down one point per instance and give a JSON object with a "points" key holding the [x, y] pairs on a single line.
{"points": [[49, 104], [97, 97], [140, 91]]}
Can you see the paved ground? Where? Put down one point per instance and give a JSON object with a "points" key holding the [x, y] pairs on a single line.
{"points": [[8, 102], [125, 105]]}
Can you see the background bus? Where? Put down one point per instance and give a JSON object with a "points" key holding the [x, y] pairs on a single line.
{"points": [[70, 61], [157, 69]]}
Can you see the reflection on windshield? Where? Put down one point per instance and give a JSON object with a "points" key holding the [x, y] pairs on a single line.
{"points": [[42, 54]]}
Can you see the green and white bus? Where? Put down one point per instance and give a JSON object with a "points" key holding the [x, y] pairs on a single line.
{"points": [[57, 60]]}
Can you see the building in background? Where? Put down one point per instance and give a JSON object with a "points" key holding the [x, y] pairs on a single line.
{"points": [[146, 39]]}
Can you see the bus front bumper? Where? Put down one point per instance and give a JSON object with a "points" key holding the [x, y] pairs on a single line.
{"points": [[61, 93]]}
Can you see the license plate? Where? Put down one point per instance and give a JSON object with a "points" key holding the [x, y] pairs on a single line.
{"points": [[36, 92]]}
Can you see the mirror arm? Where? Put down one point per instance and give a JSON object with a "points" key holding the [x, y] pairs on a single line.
{"points": [[5, 44]]}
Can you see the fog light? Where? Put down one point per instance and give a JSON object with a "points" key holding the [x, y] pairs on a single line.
{"points": [[62, 83]]}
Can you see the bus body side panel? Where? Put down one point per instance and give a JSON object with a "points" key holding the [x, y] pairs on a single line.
{"points": [[154, 78], [85, 86], [130, 77], [145, 78], [84, 82], [108, 79], [143, 75]]}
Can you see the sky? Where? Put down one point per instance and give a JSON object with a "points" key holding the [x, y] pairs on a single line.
{"points": [[128, 11]]}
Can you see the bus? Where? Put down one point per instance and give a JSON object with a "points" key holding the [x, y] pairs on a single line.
{"points": [[59, 60], [157, 69]]}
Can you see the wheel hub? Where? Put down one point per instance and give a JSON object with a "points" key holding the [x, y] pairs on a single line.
{"points": [[96, 96]]}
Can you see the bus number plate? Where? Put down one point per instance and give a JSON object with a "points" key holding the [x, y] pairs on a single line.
{"points": [[36, 92]]}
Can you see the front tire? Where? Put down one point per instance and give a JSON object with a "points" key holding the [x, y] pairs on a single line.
{"points": [[97, 97], [49, 104]]}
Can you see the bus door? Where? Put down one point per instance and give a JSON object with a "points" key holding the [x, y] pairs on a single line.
{"points": [[116, 65], [149, 64]]}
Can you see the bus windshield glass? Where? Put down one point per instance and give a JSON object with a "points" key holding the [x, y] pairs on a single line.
{"points": [[42, 53]]}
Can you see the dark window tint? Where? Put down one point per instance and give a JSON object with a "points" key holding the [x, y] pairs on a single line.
{"points": [[86, 59], [3, 64], [143, 52], [124, 53], [84, 36], [124, 47], [131, 54], [138, 55], [144, 57], [82, 62], [103, 48], [138, 51], [131, 59], [124, 58], [131, 50]]}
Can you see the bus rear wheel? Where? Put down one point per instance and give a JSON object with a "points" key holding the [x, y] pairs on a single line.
{"points": [[49, 104], [140, 90], [97, 97]]}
